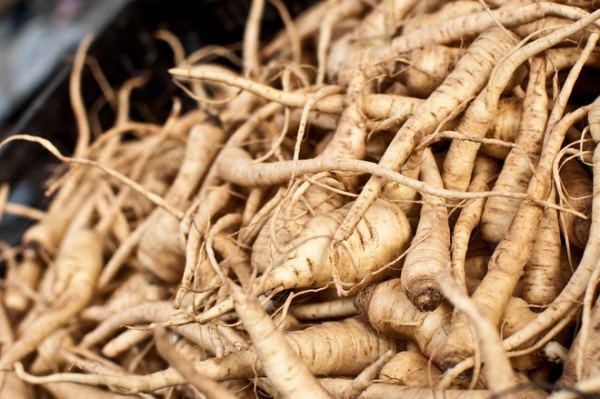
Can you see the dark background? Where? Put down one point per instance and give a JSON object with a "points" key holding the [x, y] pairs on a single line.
{"points": [[124, 47]]}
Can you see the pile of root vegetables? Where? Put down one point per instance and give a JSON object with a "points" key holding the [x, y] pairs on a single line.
{"points": [[389, 199]]}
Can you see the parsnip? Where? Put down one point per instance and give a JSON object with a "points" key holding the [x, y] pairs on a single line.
{"points": [[79, 262]]}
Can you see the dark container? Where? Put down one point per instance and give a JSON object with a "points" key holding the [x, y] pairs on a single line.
{"points": [[125, 48]]}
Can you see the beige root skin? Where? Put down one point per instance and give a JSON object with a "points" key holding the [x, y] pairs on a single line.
{"points": [[463, 27], [333, 358], [237, 168], [542, 276], [447, 11], [336, 386], [586, 350], [387, 308], [133, 291], [285, 369], [344, 9], [160, 251], [576, 190], [410, 369], [275, 208], [502, 377], [427, 68], [460, 85], [81, 257], [516, 172], [374, 106], [21, 279], [69, 390], [10, 384], [337, 308], [505, 127], [468, 219], [507, 262], [375, 249], [366, 377], [209, 388], [348, 141], [430, 251]]}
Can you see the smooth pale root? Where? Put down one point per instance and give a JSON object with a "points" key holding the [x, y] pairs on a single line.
{"points": [[80, 257], [332, 356], [387, 308], [251, 60], [576, 185], [446, 12], [589, 349], [23, 276], [286, 372], [499, 212], [335, 386], [410, 369], [241, 171], [371, 253], [505, 126], [209, 388], [322, 347], [336, 308], [469, 218], [160, 254], [11, 386], [46, 235], [306, 24], [425, 69], [570, 296], [134, 290], [374, 106], [283, 227], [378, 241], [499, 374], [195, 227], [213, 195], [462, 27], [344, 9], [400, 18], [542, 277], [468, 78], [143, 313], [565, 92], [366, 377], [479, 116], [69, 390], [375, 29], [510, 256], [382, 21], [348, 141], [560, 59], [541, 27], [577, 370], [594, 120], [350, 137], [123, 342], [430, 249], [516, 315], [160, 251]]}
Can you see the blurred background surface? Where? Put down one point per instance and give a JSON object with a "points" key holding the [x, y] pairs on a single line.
{"points": [[35, 35]]}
